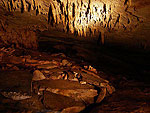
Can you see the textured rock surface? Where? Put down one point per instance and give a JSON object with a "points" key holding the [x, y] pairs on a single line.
{"points": [[124, 22], [37, 75], [20, 81], [58, 84]]}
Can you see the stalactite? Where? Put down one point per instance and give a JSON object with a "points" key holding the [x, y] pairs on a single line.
{"points": [[76, 14]]}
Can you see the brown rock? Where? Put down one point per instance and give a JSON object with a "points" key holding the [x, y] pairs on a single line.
{"points": [[13, 60], [101, 95], [37, 75], [47, 66], [59, 102], [18, 81], [109, 88], [62, 84], [66, 63], [86, 95], [74, 109]]}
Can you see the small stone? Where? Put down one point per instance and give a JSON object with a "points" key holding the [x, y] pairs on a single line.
{"points": [[92, 69], [82, 82], [15, 68], [66, 63], [85, 67], [37, 75], [75, 79]]}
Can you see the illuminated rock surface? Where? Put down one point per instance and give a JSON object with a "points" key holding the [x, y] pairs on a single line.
{"points": [[120, 22]]}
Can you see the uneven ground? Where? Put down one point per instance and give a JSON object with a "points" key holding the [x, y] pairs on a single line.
{"points": [[127, 69]]}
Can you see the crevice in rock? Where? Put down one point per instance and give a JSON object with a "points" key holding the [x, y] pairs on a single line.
{"points": [[37, 10], [22, 6], [73, 10], [11, 4]]}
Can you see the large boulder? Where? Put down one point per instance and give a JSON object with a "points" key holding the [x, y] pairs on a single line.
{"points": [[71, 89]]}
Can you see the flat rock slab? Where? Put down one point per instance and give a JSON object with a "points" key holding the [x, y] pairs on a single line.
{"points": [[17, 81], [61, 84], [59, 102], [70, 89], [86, 95]]}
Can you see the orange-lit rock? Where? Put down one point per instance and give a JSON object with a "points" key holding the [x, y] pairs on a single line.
{"points": [[89, 17]]}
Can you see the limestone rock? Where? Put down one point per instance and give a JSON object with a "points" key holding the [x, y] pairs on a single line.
{"points": [[15, 95], [47, 66], [86, 95], [13, 60], [83, 18], [37, 75], [66, 63], [101, 95], [15, 81], [61, 84], [59, 102]]}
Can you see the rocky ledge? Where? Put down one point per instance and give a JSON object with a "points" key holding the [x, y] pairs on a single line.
{"points": [[40, 82]]}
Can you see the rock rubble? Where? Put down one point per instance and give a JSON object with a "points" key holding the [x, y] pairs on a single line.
{"points": [[60, 84]]}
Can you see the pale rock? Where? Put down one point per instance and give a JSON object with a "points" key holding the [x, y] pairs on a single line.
{"points": [[15, 95], [37, 75], [74, 79], [82, 82]]}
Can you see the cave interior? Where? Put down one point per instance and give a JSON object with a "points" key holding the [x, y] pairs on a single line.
{"points": [[71, 56]]}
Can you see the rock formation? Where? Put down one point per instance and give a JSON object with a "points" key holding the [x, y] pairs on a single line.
{"points": [[87, 17]]}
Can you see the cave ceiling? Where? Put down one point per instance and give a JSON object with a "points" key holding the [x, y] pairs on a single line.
{"points": [[82, 17]]}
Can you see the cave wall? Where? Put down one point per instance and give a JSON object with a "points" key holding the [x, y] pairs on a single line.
{"points": [[122, 21]]}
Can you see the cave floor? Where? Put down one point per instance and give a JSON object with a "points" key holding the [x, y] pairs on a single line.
{"points": [[127, 70]]}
